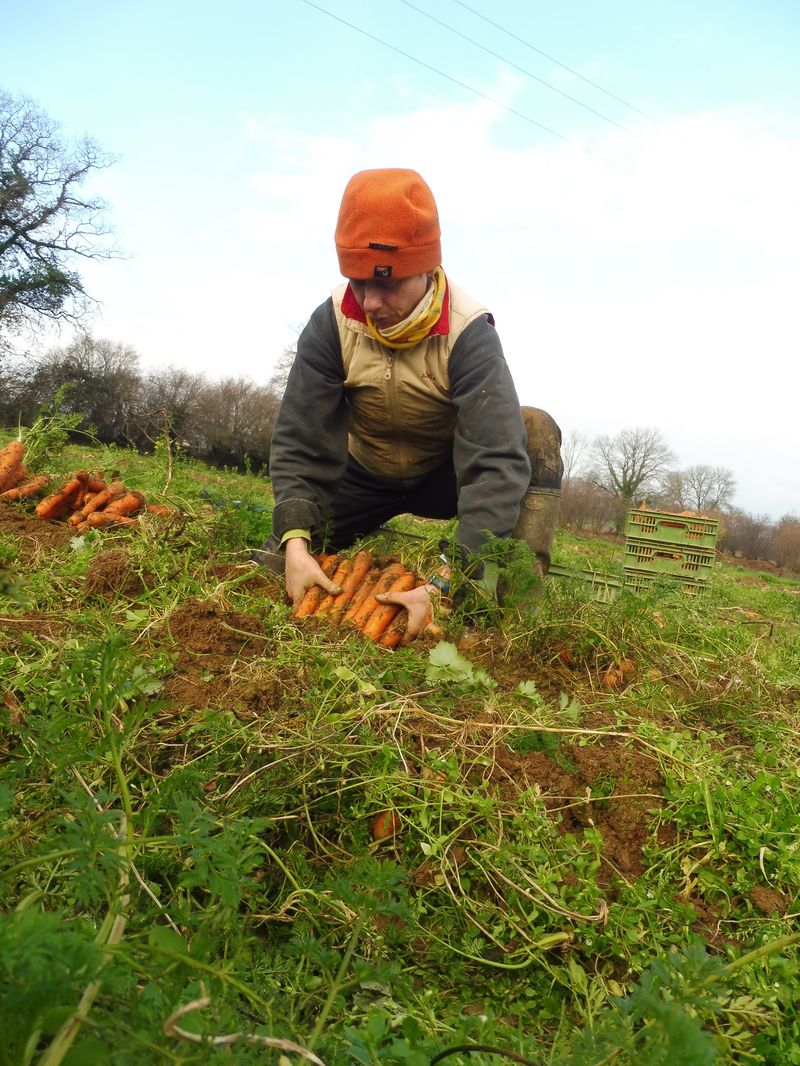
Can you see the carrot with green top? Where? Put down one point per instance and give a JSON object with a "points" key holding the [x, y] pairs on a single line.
{"points": [[104, 520], [11, 464], [395, 631], [103, 498], [13, 481]]}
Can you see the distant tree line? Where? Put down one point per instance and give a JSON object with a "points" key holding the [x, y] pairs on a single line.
{"points": [[230, 423], [225, 423]]}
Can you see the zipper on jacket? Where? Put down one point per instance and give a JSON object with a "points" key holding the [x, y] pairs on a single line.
{"points": [[394, 412]]}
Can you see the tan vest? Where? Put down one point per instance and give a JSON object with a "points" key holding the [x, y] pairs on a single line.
{"points": [[402, 419]]}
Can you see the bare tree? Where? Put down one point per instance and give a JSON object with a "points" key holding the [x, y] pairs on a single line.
{"points": [[787, 543], [670, 493], [280, 374], [630, 465], [46, 225], [746, 534], [574, 449], [235, 422], [585, 506], [169, 400], [103, 379], [700, 488]]}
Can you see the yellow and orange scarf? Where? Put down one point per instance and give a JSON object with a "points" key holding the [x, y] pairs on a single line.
{"points": [[415, 326]]}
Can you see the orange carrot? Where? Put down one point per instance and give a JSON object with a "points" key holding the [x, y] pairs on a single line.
{"points": [[341, 572], [395, 631], [14, 476], [125, 505], [13, 481], [104, 497], [313, 594], [360, 594], [102, 520], [57, 504], [80, 496], [10, 461], [359, 569], [27, 488], [95, 484], [385, 579], [384, 613], [160, 509]]}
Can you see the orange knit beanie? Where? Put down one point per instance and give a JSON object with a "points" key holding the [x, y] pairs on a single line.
{"points": [[388, 226]]}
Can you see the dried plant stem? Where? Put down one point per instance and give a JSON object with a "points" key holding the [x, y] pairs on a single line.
{"points": [[172, 1029]]}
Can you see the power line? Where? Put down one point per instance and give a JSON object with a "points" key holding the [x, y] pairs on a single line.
{"points": [[465, 85], [558, 63], [522, 70]]}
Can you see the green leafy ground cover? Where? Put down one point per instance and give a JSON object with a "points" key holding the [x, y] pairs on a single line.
{"points": [[570, 873]]}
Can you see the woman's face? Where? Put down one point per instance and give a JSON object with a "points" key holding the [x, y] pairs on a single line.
{"points": [[388, 301]]}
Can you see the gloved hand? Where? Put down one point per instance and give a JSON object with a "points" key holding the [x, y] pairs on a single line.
{"points": [[418, 604], [303, 571]]}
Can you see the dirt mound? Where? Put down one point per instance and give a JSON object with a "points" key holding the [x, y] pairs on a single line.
{"points": [[112, 574], [33, 533], [585, 780], [768, 900], [14, 628], [205, 627], [223, 662], [608, 784]]}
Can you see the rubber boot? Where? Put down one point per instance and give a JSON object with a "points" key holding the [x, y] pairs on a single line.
{"points": [[538, 516], [538, 521]]}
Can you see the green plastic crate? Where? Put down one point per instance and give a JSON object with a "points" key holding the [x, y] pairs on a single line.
{"points": [[669, 528], [661, 558], [642, 580], [604, 586]]}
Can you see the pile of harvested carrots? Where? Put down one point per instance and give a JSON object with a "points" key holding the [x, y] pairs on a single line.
{"points": [[85, 500], [361, 580]]}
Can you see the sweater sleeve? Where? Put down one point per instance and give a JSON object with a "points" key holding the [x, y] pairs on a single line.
{"points": [[490, 454], [308, 451]]}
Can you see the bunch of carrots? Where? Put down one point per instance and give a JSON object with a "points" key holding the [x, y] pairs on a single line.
{"points": [[361, 580], [12, 468], [85, 500]]}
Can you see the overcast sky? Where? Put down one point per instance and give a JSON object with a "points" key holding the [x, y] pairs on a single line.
{"points": [[638, 244]]}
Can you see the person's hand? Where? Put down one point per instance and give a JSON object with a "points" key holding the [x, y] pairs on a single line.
{"points": [[417, 603], [303, 571]]}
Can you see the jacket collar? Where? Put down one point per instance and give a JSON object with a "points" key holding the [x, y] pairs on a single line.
{"points": [[350, 309]]}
